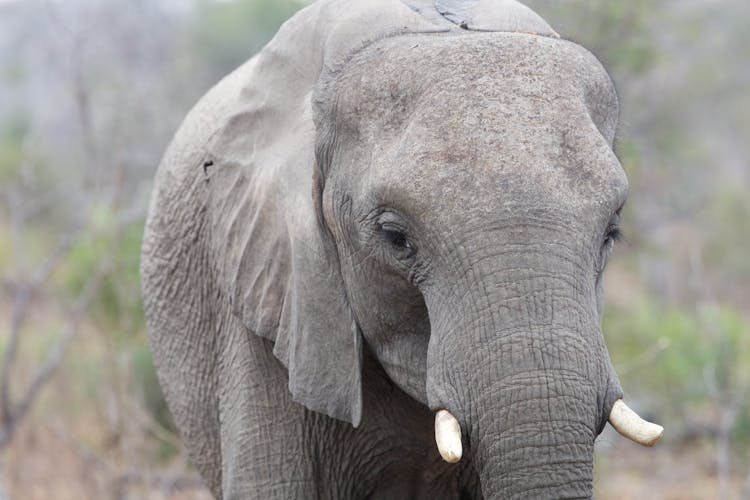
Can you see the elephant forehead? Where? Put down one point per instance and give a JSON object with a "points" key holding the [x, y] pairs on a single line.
{"points": [[539, 151], [504, 118], [572, 171], [513, 74]]}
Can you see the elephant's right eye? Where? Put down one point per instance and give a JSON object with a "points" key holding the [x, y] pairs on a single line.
{"points": [[395, 238], [398, 240]]}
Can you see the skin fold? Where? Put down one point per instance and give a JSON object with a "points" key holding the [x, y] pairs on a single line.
{"points": [[335, 251]]}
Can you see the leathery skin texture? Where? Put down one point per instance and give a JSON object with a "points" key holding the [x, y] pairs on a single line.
{"points": [[390, 211]]}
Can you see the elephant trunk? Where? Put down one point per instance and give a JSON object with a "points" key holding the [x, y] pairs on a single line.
{"points": [[532, 435], [529, 381]]}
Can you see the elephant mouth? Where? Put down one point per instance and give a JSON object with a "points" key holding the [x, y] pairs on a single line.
{"points": [[624, 420]]}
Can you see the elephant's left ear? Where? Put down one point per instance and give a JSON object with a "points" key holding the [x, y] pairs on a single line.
{"points": [[273, 259]]}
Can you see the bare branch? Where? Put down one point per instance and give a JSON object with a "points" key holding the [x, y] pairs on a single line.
{"points": [[646, 357], [18, 316], [55, 356]]}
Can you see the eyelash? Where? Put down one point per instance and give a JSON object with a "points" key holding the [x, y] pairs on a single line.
{"points": [[398, 240], [613, 234]]}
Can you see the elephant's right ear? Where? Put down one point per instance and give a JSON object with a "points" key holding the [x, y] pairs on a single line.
{"points": [[274, 265], [273, 258]]}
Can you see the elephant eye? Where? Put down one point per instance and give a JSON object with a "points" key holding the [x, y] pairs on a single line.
{"points": [[613, 234], [390, 231], [397, 239]]}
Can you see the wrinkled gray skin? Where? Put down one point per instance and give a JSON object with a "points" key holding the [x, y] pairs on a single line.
{"points": [[420, 223]]}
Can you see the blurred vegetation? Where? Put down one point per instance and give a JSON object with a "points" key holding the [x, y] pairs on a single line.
{"points": [[244, 28], [92, 92]]}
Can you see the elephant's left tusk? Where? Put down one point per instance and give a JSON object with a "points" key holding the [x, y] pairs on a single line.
{"points": [[448, 436], [629, 424]]}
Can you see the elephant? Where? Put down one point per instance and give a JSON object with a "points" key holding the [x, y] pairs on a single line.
{"points": [[372, 263]]}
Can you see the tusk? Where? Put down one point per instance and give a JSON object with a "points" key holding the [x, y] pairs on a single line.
{"points": [[629, 424], [448, 436]]}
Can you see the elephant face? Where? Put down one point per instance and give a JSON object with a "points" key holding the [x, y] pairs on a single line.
{"points": [[473, 196]]}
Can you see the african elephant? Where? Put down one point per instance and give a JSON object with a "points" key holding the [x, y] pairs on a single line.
{"points": [[388, 229]]}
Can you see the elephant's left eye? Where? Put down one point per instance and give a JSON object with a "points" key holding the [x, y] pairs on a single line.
{"points": [[613, 234]]}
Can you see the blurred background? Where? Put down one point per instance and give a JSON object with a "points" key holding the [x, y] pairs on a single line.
{"points": [[91, 92]]}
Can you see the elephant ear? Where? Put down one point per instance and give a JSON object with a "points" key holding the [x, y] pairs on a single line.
{"points": [[274, 261]]}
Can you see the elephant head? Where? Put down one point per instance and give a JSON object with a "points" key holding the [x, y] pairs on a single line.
{"points": [[434, 183]]}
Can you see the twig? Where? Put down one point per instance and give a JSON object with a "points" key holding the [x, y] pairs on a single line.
{"points": [[55, 356], [18, 316], [12, 413], [646, 357]]}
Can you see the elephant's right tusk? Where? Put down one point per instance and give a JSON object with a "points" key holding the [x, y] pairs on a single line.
{"points": [[448, 436], [629, 424]]}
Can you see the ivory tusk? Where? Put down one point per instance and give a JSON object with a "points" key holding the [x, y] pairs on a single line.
{"points": [[629, 424], [448, 436]]}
